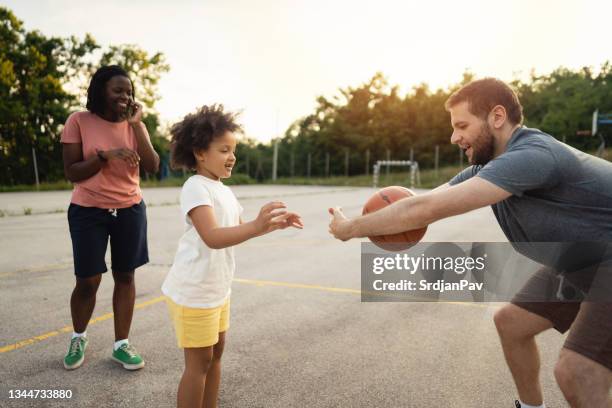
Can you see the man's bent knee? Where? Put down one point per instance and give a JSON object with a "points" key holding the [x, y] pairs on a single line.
{"points": [[575, 370], [513, 321]]}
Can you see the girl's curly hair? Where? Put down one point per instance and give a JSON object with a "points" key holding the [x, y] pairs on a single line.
{"points": [[196, 131]]}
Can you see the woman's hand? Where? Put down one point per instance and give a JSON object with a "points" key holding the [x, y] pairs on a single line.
{"points": [[134, 112], [127, 155]]}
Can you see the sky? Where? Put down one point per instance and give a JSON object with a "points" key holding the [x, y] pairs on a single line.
{"points": [[271, 59]]}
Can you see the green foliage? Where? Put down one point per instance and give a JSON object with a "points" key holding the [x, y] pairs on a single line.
{"points": [[563, 102], [144, 69], [44, 79], [33, 103], [374, 117]]}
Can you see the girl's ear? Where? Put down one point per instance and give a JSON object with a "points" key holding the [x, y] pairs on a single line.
{"points": [[199, 154]]}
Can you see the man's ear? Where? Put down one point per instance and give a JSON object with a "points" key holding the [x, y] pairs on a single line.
{"points": [[498, 117]]}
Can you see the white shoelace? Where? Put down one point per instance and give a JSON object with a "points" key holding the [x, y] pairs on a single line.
{"points": [[129, 350], [75, 345]]}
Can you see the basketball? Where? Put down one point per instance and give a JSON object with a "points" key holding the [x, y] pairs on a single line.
{"points": [[393, 242]]}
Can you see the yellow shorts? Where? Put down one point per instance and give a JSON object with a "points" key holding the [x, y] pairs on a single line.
{"points": [[198, 327]]}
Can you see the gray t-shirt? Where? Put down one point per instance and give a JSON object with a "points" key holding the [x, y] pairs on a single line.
{"points": [[559, 194]]}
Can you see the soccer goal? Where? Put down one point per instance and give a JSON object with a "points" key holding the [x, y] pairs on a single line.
{"points": [[415, 176]]}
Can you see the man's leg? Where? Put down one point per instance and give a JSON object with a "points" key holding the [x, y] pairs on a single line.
{"points": [[584, 382], [584, 369], [517, 329]]}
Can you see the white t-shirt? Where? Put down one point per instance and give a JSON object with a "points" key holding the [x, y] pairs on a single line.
{"points": [[201, 277]]}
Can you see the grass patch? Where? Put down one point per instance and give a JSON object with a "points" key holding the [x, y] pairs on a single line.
{"points": [[59, 185], [179, 181], [168, 182], [429, 179]]}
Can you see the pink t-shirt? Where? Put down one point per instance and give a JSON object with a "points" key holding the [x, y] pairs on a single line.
{"points": [[116, 185]]}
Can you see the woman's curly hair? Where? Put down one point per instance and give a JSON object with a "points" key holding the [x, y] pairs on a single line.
{"points": [[196, 131]]}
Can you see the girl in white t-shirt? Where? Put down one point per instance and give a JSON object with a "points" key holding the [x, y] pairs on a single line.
{"points": [[198, 284]]}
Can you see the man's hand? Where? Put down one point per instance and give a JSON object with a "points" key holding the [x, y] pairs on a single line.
{"points": [[340, 226]]}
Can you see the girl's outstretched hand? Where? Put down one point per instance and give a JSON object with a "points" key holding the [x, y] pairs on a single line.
{"points": [[292, 220], [273, 216]]}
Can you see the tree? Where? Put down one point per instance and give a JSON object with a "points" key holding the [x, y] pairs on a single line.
{"points": [[43, 79], [145, 69], [33, 103]]}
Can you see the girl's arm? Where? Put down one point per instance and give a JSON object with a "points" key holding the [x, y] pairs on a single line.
{"points": [[271, 217]]}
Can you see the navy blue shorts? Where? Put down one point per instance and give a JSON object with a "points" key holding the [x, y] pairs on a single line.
{"points": [[90, 229]]}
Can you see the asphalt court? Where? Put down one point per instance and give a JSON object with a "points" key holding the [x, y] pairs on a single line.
{"points": [[299, 334]]}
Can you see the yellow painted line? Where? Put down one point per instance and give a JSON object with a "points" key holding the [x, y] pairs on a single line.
{"points": [[54, 267], [68, 329], [352, 291], [39, 269], [259, 283], [296, 285], [150, 302], [292, 243]]}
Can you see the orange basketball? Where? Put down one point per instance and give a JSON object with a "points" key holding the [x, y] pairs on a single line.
{"points": [[394, 242]]}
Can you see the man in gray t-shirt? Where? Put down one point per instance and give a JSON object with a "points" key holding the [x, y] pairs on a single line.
{"points": [[540, 190], [559, 194]]}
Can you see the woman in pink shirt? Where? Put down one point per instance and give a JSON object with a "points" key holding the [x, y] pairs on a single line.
{"points": [[103, 149]]}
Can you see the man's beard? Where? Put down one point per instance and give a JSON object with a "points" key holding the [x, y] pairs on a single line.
{"points": [[483, 147]]}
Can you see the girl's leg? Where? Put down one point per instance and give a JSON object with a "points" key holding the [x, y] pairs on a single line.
{"points": [[83, 301], [213, 377], [191, 387]]}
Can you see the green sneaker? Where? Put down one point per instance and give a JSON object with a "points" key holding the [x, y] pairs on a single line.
{"points": [[127, 356], [76, 353]]}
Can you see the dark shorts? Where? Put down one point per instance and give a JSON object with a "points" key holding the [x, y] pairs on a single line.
{"points": [[588, 317], [90, 229]]}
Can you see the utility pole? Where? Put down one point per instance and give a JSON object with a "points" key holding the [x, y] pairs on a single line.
{"points": [[35, 167], [346, 162], [437, 160], [275, 160]]}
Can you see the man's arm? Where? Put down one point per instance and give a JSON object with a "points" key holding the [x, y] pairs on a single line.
{"points": [[440, 188], [420, 211]]}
